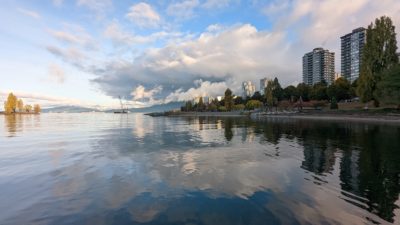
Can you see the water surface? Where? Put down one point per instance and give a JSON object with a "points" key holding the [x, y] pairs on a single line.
{"points": [[132, 169]]}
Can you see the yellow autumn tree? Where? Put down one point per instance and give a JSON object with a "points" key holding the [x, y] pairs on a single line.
{"points": [[28, 108], [36, 108], [20, 105], [10, 105]]}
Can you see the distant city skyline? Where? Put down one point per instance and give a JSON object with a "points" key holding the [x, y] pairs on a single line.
{"points": [[87, 53]]}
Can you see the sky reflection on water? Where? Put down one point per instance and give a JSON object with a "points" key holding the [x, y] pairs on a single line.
{"points": [[133, 169]]}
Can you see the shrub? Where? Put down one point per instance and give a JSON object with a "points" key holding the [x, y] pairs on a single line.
{"points": [[334, 104], [222, 109]]}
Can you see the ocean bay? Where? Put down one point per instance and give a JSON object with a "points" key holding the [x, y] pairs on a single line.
{"points": [[99, 168]]}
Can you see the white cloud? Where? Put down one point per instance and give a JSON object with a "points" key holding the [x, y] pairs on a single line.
{"points": [[233, 54], [98, 6], [80, 38], [140, 93], [317, 23], [202, 89], [183, 9], [119, 36], [56, 73], [70, 55], [213, 4], [29, 13], [43, 99], [58, 3], [228, 55], [143, 15]]}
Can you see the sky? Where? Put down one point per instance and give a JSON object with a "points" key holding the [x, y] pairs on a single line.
{"points": [[89, 52]]}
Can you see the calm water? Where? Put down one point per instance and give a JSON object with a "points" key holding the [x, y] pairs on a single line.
{"points": [[133, 169]]}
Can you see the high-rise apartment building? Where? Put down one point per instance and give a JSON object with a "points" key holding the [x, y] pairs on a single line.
{"points": [[352, 45], [248, 89], [263, 84], [319, 66]]}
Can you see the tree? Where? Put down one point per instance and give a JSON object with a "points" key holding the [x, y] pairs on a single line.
{"points": [[303, 90], [10, 105], [379, 54], [188, 106], [334, 104], [238, 100], [340, 89], [28, 108], [277, 90], [239, 107], [388, 90], [269, 96], [228, 100], [36, 108], [289, 93], [318, 92], [200, 105], [253, 104], [20, 105], [257, 96]]}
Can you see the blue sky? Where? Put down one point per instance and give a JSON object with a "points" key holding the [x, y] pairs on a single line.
{"points": [[88, 52]]}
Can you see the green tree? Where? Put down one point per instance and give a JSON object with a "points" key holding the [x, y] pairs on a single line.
{"points": [[340, 89], [239, 107], [334, 104], [228, 100], [238, 100], [277, 90], [303, 90], [269, 96], [257, 96], [253, 104], [379, 54], [290, 93], [188, 106], [200, 105], [388, 90], [318, 92]]}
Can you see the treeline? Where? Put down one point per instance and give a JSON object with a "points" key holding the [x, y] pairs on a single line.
{"points": [[379, 81], [318, 95], [15, 105]]}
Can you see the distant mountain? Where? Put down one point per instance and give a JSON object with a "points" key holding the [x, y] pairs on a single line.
{"points": [[159, 108], [78, 109], [155, 108], [69, 109]]}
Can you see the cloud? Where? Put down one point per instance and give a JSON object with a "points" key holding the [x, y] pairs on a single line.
{"points": [[56, 74], [140, 93], [121, 37], [231, 55], [43, 100], [58, 3], [213, 4], [143, 15], [316, 23], [202, 89], [79, 38], [224, 56], [183, 9], [29, 13], [70, 55], [98, 6]]}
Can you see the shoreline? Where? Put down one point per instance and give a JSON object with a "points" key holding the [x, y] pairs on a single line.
{"points": [[353, 116], [19, 113], [336, 117]]}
